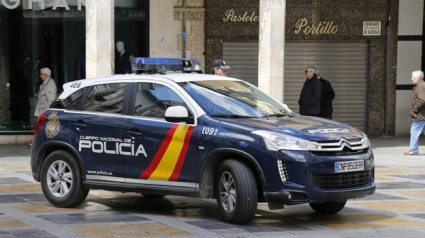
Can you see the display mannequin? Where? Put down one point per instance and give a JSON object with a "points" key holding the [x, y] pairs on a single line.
{"points": [[122, 59]]}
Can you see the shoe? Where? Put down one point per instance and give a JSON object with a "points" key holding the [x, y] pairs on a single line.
{"points": [[410, 153]]}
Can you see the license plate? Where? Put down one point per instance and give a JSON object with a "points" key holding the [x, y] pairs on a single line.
{"points": [[349, 166]]}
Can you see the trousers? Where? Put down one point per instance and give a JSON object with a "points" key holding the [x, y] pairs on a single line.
{"points": [[416, 129]]}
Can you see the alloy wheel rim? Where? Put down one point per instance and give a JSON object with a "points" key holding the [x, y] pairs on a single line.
{"points": [[227, 192], [59, 179]]}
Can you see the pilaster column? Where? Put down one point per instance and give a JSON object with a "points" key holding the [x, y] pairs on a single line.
{"points": [[272, 47], [161, 29], [100, 57]]}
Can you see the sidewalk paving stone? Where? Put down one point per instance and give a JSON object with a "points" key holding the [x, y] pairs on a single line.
{"points": [[127, 230], [420, 177], [412, 192], [12, 181], [399, 185], [7, 222], [31, 233], [363, 221], [21, 188], [396, 206], [91, 217], [380, 196], [10, 199]]}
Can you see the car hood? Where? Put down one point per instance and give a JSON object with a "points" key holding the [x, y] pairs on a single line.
{"points": [[305, 127]]}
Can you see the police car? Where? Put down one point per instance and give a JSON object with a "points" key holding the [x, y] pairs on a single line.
{"points": [[195, 135]]}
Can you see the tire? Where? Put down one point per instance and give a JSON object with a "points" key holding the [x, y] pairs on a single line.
{"points": [[328, 207], [153, 196], [238, 200], [55, 183]]}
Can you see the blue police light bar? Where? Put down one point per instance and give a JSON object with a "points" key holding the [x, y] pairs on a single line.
{"points": [[152, 65]]}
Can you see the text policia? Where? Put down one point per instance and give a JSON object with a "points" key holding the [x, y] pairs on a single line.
{"points": [[109, 145]]}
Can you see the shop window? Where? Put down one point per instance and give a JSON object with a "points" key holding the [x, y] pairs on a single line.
{"points": [[131, 33], [31, 39]]}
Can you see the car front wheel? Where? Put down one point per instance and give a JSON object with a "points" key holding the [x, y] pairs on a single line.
{"points": [[328, 207], [236, 191], [61, 180]]}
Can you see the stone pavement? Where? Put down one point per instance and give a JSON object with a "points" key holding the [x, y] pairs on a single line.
{"points": [[396, 210]]}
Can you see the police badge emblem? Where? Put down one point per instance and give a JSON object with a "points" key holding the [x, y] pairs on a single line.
{"points": [[53, 126]]}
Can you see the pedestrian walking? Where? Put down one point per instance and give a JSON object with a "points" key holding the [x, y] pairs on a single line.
{"points": [[328, 95], [310, 96], [417, 112], [47, 93], [219, 67]]}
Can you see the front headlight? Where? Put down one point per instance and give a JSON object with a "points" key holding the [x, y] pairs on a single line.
{"points": [[276, 141], [366, 141]]}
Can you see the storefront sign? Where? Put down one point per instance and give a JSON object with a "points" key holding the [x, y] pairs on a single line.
{"points": [[41, 4], [371, 28], [231, 15], [323, 28]]}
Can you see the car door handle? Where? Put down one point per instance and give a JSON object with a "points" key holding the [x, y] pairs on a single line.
{"points": [[135, 133], [79, 124]]}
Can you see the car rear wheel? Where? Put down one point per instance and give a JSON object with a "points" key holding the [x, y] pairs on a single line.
{"points": [[153, 196], [328, 207], [236, 191], [61, 180]]}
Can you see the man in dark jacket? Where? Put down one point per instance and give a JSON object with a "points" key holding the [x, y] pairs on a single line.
{"points": [[310, 94], [328, 95], [418, 112]]}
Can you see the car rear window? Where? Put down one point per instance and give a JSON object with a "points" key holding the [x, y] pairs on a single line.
{"points": [[71, 102]]}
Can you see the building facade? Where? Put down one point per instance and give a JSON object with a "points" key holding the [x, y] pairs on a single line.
{"points": [[351, 43]]}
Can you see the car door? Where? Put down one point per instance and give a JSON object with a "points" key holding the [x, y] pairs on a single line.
{"points": [[97, 132], [165, 152]]}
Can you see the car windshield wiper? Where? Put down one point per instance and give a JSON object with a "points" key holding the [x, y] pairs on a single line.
{"points": [[230, 116], [275, 115]]}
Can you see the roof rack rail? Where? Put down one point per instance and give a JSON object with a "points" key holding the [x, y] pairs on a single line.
{"points": [[162, 65]]}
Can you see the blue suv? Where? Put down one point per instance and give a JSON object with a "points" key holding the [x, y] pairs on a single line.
{"points": [[200, 136]]}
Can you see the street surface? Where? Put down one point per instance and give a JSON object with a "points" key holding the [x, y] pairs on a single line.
{"points": [[396, 210]]}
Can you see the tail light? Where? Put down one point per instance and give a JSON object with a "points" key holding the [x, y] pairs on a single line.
{"points": [[40, 122]]}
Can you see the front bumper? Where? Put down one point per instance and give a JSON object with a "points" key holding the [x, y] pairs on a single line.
{"points": [[290, 197], [302, 170]]}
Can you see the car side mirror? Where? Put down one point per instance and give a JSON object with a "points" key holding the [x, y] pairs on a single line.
{"points": [[177, 114]]}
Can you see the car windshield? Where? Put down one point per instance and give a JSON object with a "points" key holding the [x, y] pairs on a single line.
{"points": [[233, 99]]}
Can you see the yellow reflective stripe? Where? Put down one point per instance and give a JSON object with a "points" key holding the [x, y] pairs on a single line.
{"points": [[169, 160]]}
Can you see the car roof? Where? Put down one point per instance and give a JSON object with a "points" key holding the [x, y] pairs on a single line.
{"points": [[71, 87], [195, 77]]}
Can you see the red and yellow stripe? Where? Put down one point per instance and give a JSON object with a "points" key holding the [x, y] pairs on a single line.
{"points": [[169, 159]]}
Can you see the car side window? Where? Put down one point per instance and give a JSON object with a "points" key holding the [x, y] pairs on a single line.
{"points": [[153, 99], [71, 102], [106, 98]]}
